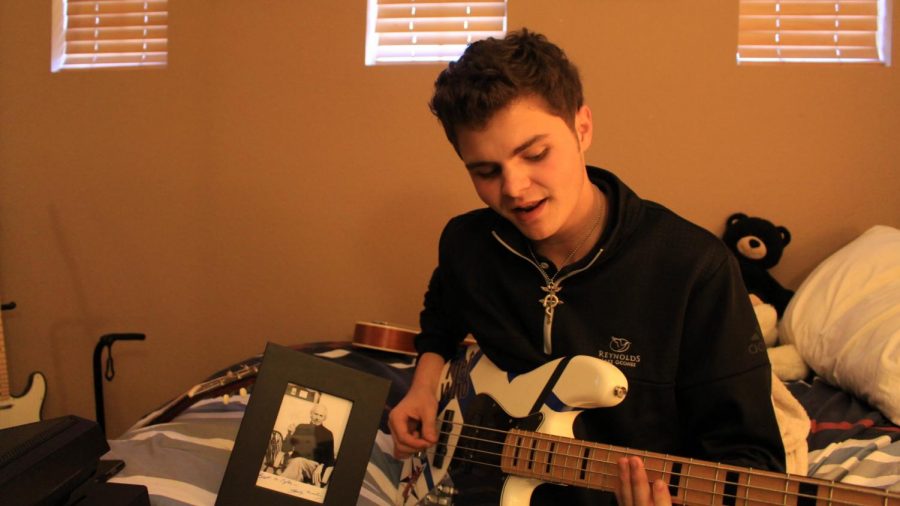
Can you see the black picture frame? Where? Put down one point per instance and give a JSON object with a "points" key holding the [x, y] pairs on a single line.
{"points": [[362, 394]]}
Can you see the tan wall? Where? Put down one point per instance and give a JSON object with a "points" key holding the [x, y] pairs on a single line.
{"points": [[269, 186]]}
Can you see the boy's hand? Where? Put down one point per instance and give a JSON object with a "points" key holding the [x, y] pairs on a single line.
{"points": [[412, 422], [634, 489]]}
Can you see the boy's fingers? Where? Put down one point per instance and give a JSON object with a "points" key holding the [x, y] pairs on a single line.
{"points": [[624, 489], [429, 431], [661, 496], [640, 489]]}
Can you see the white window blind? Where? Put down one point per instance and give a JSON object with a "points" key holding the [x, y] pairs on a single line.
{"points": [[846, 31], [411, 31], [109, 33]]}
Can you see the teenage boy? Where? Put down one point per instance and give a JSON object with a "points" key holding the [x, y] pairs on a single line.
{"points": [[567, 260]]}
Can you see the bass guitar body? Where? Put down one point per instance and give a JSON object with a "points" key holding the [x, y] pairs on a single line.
{"points": [[480, 406], [27, 407], [502, 435]]}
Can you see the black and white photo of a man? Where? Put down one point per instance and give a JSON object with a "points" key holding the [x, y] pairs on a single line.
{"points": [[305, 443], [311, 456]]}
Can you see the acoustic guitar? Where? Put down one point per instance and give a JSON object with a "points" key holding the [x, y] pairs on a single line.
{"points": [[521, 427], [374, 335], [25, 408], [390, 337], [236, 379], [383, 336]]}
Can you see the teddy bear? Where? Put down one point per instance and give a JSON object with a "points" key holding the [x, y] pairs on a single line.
{"points": [[787, 364], [758, 245]]}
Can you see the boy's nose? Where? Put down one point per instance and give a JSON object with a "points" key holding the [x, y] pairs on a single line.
{"points": [[515, 181]]}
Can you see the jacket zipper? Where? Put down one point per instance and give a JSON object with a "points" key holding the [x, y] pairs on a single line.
{"points": [[548, 314]]}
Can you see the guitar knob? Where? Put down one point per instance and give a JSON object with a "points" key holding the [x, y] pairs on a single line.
{"points": [[620, 392], [448, 490], [440, 500]]}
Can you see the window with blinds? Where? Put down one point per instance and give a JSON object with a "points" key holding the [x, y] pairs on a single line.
{"points": [[109, 33], [404, 31], [843, 31]]}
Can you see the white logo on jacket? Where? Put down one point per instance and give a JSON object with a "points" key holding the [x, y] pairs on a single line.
{"points": [[618, 346]]}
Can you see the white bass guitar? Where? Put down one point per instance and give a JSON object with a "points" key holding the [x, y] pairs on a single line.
{"points": [[521, 425]]}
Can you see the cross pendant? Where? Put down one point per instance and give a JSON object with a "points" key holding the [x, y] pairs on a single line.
{"points": [[551, 300]]}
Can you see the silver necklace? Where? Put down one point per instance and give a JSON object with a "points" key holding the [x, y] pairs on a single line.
{"points": [[551, 300]]}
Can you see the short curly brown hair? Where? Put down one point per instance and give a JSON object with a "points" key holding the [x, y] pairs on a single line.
{"points": [[492, 73]]}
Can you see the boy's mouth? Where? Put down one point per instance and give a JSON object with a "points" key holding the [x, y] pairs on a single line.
{"points": [[526, 209]]}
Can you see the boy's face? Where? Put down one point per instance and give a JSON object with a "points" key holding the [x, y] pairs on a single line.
{"points": [[528, 165]]}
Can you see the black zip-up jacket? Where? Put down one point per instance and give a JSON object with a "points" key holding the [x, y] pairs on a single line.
{"points": [[658, 296]]}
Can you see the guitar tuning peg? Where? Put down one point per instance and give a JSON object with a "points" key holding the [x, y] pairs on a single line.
{"points": [[242, 391], [225, 399]]}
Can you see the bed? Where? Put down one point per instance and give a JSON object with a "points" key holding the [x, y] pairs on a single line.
{"points": [[181, 450], [844, 320]]}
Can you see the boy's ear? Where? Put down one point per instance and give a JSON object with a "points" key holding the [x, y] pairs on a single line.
{"points": [[584, 127]]}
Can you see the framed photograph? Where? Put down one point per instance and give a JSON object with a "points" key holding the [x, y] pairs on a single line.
{"points": [[307, 433]]}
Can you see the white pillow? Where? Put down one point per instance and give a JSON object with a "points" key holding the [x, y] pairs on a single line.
{"points": [[845, 319]]}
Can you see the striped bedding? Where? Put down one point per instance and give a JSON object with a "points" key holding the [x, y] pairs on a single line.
{"points": [[182, 461], [849, 440]]}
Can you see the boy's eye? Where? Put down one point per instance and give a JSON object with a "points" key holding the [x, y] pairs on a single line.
{"points": [[486, 172], [536, 157]]}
